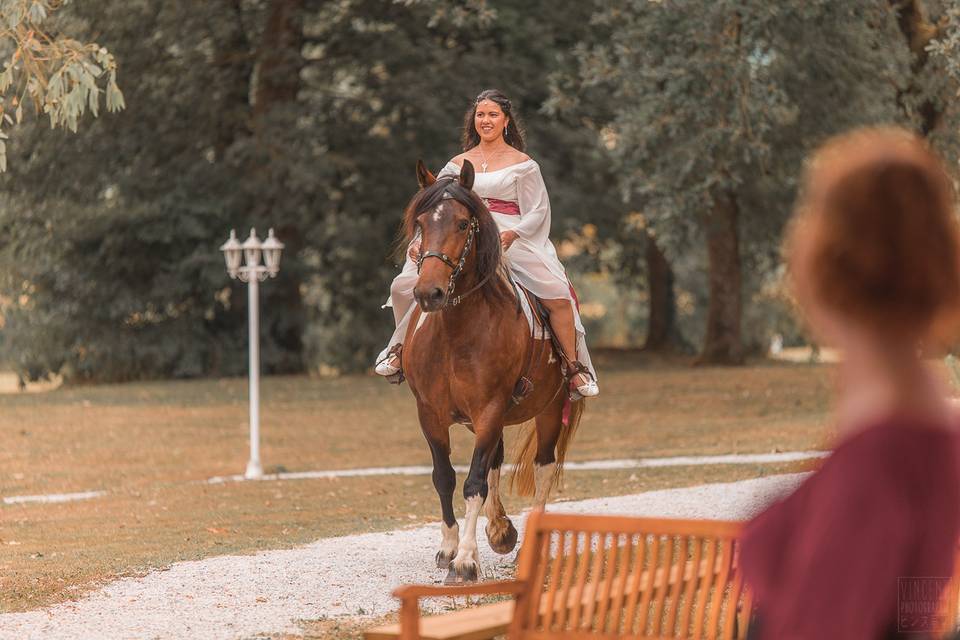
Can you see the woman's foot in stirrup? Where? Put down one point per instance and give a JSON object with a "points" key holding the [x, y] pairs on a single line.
{"points": [[588, 388], [583, 382], [390, 366]]}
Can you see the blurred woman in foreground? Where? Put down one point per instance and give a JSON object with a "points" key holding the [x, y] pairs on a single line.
{"points": [[874, 256]]}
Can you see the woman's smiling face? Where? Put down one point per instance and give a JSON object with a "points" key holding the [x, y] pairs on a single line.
{"points": [[489, 120]]}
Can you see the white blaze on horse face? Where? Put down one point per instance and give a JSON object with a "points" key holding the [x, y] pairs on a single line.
{"points": [[436, 212], [543, 479]]}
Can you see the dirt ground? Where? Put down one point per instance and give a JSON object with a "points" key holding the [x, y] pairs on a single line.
{"points": [[152, 446]]}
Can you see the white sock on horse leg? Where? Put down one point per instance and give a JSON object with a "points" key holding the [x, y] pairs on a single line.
{"points": [[451, 539], [467, 549]]}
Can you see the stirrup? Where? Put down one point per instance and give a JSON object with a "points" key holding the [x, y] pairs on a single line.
{"points": [[393, 373], [588, 389], [384, 368]]}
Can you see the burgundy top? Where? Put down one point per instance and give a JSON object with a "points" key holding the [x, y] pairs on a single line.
{"points": [[827, 561]]}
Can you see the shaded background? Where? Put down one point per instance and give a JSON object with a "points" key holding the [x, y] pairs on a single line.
{"points": [[671, 135]]}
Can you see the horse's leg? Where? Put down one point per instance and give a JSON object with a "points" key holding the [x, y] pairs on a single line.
{"points": [[548, 424], [466, 565], [444, 481], [501, 534]]}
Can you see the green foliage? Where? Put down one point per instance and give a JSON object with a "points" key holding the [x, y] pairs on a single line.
{"points": [[691, 98], [109, 265], [61, 77], [732, 95], [948, 45]]}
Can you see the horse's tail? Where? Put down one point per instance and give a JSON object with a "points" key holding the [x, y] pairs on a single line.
{"points": [[522, 481]]}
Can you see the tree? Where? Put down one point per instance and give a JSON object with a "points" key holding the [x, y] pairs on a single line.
{"points": [[715, 111], [662, 330]]}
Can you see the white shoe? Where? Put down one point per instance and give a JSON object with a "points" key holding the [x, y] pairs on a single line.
{"points": [[589, 389], [387, 367]]}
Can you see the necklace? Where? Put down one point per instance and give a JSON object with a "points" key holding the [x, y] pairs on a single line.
{"points": [[484, 164]]}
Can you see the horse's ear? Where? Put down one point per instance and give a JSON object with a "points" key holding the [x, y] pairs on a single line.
{"points": [[467, 174], [424, 177]]}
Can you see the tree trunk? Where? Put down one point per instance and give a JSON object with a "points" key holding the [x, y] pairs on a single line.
{"points": [[277, 84], [234, 60], [662, 334], [722, 342], [281, 57]]}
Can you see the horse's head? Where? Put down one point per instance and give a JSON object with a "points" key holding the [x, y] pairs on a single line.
{"points": [[458, 238]]}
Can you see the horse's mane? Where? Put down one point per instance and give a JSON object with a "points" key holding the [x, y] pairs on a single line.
{"points": [[486, 244]]}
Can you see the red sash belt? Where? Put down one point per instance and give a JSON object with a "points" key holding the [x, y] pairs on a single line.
{"points": [[506, 207]]}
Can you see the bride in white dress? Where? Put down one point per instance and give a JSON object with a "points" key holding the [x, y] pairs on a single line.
{"points": [[511, 185]]}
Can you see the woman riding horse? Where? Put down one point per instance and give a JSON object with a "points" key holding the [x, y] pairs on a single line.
{"points": [[470, 358], [514, 192]]}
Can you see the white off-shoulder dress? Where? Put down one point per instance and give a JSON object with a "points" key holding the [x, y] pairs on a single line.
{"points": [[532, 258]]}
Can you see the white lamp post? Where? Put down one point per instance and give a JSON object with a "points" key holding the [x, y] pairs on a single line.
{"points": [[252, 273]]}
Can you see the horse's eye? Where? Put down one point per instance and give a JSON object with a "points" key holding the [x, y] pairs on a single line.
{"points": [[463, 225]]}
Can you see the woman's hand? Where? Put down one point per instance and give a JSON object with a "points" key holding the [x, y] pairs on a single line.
{"points": [[507, 238], [414, 251]]}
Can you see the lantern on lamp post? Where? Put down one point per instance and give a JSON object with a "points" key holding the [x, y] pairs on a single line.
{"points": [[252, 272]]}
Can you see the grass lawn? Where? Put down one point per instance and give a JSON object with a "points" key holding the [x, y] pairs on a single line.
{"points": [[151, 446]]}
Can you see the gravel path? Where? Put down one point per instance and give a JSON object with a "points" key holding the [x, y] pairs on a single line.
{"points": [[233, 597]]}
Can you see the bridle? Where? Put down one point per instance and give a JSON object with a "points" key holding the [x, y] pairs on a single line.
{"points": [[458, 266]]}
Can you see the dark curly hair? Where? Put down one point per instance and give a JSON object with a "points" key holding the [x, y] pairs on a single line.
{"points": [[512, 135]]}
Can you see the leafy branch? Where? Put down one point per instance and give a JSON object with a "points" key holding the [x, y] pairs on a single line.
{"points": [[60, 76]]}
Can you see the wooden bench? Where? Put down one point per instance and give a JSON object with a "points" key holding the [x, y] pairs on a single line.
{"points": [[593, 576], [599, 575]]}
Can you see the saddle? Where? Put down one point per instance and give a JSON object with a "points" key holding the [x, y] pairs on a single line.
{"points": [[539, 320], [541, 325]]}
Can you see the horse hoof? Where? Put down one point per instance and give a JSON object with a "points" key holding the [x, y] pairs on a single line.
{"points": [[502, 539], [444, 559], [467, 574]]}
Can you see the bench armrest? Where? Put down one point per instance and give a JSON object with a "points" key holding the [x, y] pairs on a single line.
{"points": [[410, 599]]}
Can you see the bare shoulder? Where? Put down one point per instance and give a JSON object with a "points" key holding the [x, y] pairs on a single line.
{"points": [[518, 156], [458, 159]]}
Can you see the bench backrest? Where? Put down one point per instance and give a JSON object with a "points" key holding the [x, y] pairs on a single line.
{"points": [[640, 577]]}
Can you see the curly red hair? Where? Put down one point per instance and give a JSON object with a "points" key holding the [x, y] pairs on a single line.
{"points": [[875, 238]]}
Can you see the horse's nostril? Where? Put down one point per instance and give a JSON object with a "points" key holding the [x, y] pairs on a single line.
{"points": [[436, 295]]}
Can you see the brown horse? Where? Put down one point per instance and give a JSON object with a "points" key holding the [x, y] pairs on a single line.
{"points": [[465, 364]]}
